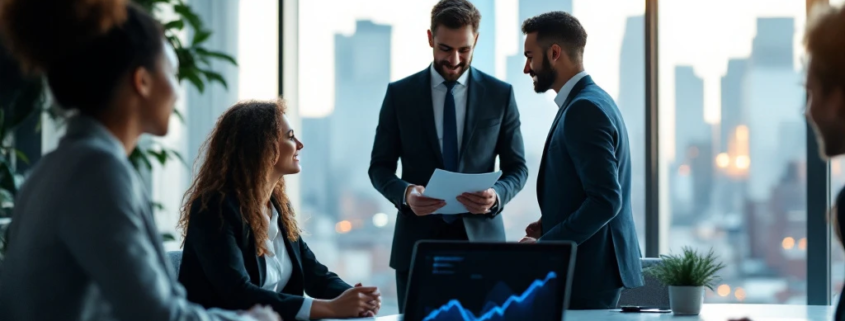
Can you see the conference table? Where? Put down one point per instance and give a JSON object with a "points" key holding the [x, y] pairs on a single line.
{"points": [[709, 312]]}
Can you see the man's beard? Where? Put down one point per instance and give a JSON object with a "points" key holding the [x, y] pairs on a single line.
{"points": [[441, 69], [545, 77]]}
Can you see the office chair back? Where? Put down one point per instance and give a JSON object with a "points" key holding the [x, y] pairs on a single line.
{"points": [[653, 294]]}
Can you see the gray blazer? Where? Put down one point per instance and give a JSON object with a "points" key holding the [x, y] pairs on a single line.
{"points": [[83, 244], [406, 131]]}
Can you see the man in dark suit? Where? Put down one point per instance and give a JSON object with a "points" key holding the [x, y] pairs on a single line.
{"points": [[584, 183], [449, 116]]}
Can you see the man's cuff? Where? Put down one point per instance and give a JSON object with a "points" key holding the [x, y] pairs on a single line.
{"points": [[405, 195], [304, 313]]}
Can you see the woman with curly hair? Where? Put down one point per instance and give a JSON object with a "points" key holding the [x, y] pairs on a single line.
{"points": [[242, 244]]}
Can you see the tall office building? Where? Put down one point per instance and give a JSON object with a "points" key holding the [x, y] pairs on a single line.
{"points": [[693, 154], [773, 96], [631, 102], [732, 110], [690, 127], [362, 72], [484, 55]]}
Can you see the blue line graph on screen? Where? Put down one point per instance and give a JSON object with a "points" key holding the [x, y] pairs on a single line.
{"points": [[540, 294]]}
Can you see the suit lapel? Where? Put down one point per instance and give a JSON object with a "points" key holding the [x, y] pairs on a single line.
{"points": [[572, 94], [475, 96], [426, 114]]}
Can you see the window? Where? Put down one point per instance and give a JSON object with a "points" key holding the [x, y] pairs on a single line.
{"points": [[733, 142], [347, 54]]}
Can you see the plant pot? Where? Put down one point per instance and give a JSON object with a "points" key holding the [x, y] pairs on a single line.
{"points": [[686, 300]]}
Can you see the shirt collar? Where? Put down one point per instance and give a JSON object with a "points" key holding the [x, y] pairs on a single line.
{"points": [[567, 88], [437, 79]]}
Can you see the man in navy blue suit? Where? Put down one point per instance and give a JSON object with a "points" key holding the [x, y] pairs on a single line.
{"points": [[584, 182], [449, 116]]}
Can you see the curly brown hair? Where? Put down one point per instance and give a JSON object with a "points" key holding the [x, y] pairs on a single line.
{"points": [[239, 156]]}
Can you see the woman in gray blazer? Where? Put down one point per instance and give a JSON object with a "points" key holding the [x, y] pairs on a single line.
{"points": [[83, 244]]}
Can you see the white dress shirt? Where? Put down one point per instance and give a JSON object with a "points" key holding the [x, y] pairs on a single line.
{"points": [[438, 100], [567, 88], [279, 266]]}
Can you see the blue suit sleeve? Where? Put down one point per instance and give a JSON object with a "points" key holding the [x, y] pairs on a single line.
{"points": [[386, 150], [590, 138], [511, 150]]}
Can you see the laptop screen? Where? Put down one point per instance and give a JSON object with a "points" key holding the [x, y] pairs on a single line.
{"points": [[462, 281]]}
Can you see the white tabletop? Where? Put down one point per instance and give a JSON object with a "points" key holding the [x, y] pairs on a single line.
{"points": [[710, 312]]}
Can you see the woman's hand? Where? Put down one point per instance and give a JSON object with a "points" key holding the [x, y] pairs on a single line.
{"points": [[352, 303], [376, 302]]}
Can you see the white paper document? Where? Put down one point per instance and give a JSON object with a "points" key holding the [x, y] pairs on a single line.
{"points": [[447, 186]]}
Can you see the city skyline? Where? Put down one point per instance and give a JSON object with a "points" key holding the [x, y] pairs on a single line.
{"points": [[705, 203]]}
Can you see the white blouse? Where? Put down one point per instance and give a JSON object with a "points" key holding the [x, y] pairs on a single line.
{"points": [[279, 266]]}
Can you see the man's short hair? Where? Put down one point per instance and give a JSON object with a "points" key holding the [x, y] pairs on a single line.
{"points": [[455, 14], [561, 28]]}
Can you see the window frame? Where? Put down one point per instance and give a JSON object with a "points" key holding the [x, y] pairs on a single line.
{"points": [[819, 287]]}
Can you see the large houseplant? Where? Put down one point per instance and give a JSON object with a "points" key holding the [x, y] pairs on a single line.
{"points": [[687, 275]]}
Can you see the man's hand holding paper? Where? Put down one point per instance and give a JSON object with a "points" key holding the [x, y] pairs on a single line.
{"points": [[463, 193]]}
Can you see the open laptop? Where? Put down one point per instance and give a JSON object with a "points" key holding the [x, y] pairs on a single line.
{"points": [[463, 281]]}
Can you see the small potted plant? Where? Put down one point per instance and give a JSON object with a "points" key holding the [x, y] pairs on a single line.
{"points": [[687, 275]]}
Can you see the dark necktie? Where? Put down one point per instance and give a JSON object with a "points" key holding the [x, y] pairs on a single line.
{"points": [[450, 137]]}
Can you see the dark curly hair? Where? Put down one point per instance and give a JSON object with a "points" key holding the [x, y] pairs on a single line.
{"points": [[238, 158]]}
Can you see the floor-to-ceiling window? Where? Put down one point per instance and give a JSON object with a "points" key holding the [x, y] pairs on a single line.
{"points": [[348, 51], [733, 142]]}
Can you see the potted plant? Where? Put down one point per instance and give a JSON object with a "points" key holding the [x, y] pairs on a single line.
{"points": [[687, 275]]}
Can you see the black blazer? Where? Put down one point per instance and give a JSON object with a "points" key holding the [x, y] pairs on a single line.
{"points": [[406, 131], [584, 191], [220, 267]]}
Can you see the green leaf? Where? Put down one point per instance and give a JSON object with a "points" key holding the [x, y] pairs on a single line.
{"points": [[7, 179], [191, 75], [160, 156], [687, 269], [200, 36], [179, 115], [157, 206], [213, 76], [22, 156], [215, 54], [175, 24], [138, 158], [178, 155], [27, 101], [167, 237], [189, 16]]}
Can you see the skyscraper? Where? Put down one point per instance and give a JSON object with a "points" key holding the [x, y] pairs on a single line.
{"points": [[732, 111], [693, 141], [773, 97], [631, 102], [362, 72], [484, 56], [690, 127]]}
